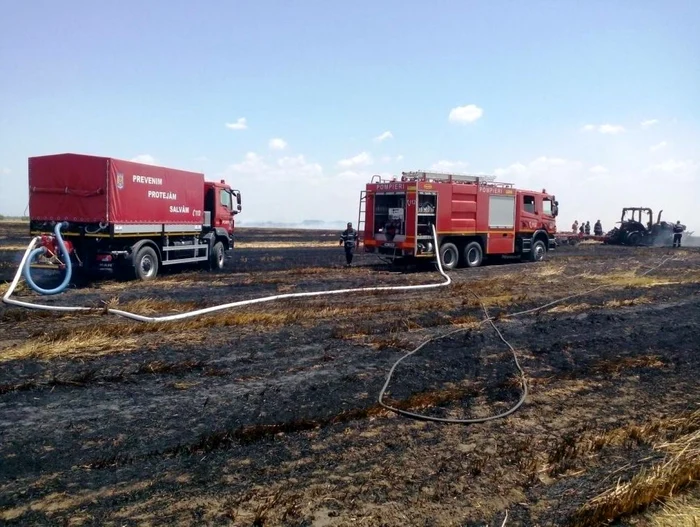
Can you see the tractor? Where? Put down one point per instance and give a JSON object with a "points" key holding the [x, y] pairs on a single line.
{"points": [[634, 231]]}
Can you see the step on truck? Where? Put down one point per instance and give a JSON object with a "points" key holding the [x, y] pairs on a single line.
{"points": [[474, 217], [128, 219]]}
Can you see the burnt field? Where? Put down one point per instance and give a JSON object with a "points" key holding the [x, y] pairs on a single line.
{"points": [[267, 414]]}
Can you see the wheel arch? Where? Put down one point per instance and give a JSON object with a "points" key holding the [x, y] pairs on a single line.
{"points": [[541, 235], [134, 249]]}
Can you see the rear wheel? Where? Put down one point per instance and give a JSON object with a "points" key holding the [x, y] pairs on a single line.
{"points": [[146, 264], [538, 251], [633, 238], [216, 258], [473, 255], [449, 256]]}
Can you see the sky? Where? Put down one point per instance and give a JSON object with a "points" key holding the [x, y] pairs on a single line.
{"points": [[298, 104]]}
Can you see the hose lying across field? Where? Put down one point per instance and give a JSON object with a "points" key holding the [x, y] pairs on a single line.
{"points": [[30, 252]]}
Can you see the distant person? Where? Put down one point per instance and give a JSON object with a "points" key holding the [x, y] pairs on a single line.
{"points": [[350, 240], [574, 227], [598, 228], [580, 230], [588, 228], [678, 233]]}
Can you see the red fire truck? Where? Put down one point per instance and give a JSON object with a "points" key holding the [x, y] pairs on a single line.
{"points": [[474, 217], [125, 216]]}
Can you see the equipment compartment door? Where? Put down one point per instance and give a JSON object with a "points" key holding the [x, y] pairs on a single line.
{"points": [[390, 217], [501, 235]]}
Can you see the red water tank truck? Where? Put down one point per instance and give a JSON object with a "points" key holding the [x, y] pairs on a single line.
{"points": [[128, 218]]}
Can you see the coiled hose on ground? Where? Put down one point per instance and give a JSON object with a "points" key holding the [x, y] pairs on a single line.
{"points": [[27, 264]]}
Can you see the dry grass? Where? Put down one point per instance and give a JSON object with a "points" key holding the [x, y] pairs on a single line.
{"points": [[79, 343], [634, 279], [151, 306], [629, 302], [13, 248], [618, 365], [549, 270], [285, 244], [679, 468], [678, 512], [570, 308]]}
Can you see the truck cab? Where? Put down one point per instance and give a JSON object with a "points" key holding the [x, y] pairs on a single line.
{"points": [[221, 204]]}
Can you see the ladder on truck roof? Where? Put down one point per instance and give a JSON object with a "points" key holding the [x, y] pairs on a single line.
{"points": [[447, 177]]}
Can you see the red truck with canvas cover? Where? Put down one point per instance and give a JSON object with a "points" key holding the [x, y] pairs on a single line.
{"points": [[131, 216], [474, 217]]}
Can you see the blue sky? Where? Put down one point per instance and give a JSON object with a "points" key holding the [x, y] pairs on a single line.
{"points": [[555, 94]]}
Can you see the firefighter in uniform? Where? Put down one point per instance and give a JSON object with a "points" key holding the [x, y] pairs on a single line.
{"points": [[678, 233], [349, 239], [598, 228]]}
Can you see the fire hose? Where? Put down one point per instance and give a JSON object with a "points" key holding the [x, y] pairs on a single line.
{"points": [[43, 250], [31, 253]]}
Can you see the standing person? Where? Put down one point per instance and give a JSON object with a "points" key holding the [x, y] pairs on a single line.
{"points": [[350, 239], [588, 228], [598, 228], [678, 233], [574, 227]]}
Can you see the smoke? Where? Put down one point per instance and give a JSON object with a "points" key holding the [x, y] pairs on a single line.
{"points": [[689, 240]]}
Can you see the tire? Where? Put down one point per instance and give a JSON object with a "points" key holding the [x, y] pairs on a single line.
{"points": [[449, 256], [146, 264], [473, 254], [633, 238], [538, 251], [217, 257]]}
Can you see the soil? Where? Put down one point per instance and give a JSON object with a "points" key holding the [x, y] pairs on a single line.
{"points": [[268, 415]]}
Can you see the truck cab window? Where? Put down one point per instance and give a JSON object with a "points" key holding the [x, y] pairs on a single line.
{"points": [[529, 204], [225, 199], [547, 206]]}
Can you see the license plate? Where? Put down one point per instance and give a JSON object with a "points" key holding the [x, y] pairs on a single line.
{"points": [[388, 244]]}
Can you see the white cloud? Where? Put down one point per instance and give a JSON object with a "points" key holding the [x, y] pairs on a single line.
{"points": [[449, 166], [6, 171], [682, 169], [383, 137], [361, 159], [277, 144], [649, 122], [240, 124], [255, 165], [610, 129], [390, 159], [542, 171], [658, 147], [146, 159], [465, 114], [598, 170]]}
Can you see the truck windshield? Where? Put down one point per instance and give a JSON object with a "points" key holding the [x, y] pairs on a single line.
{"points": [[389, 213], [547, 206], [225, 199]]}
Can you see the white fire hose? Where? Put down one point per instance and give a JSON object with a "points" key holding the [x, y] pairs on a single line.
{"points": [[180, 316]]}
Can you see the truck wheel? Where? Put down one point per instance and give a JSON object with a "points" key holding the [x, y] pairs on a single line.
{"points": [[449, 256], [473, 254], [146, 264], [538, 251], [216, 258]]}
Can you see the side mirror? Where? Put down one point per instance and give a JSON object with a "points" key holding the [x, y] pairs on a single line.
{"points": [[238, 200]]}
